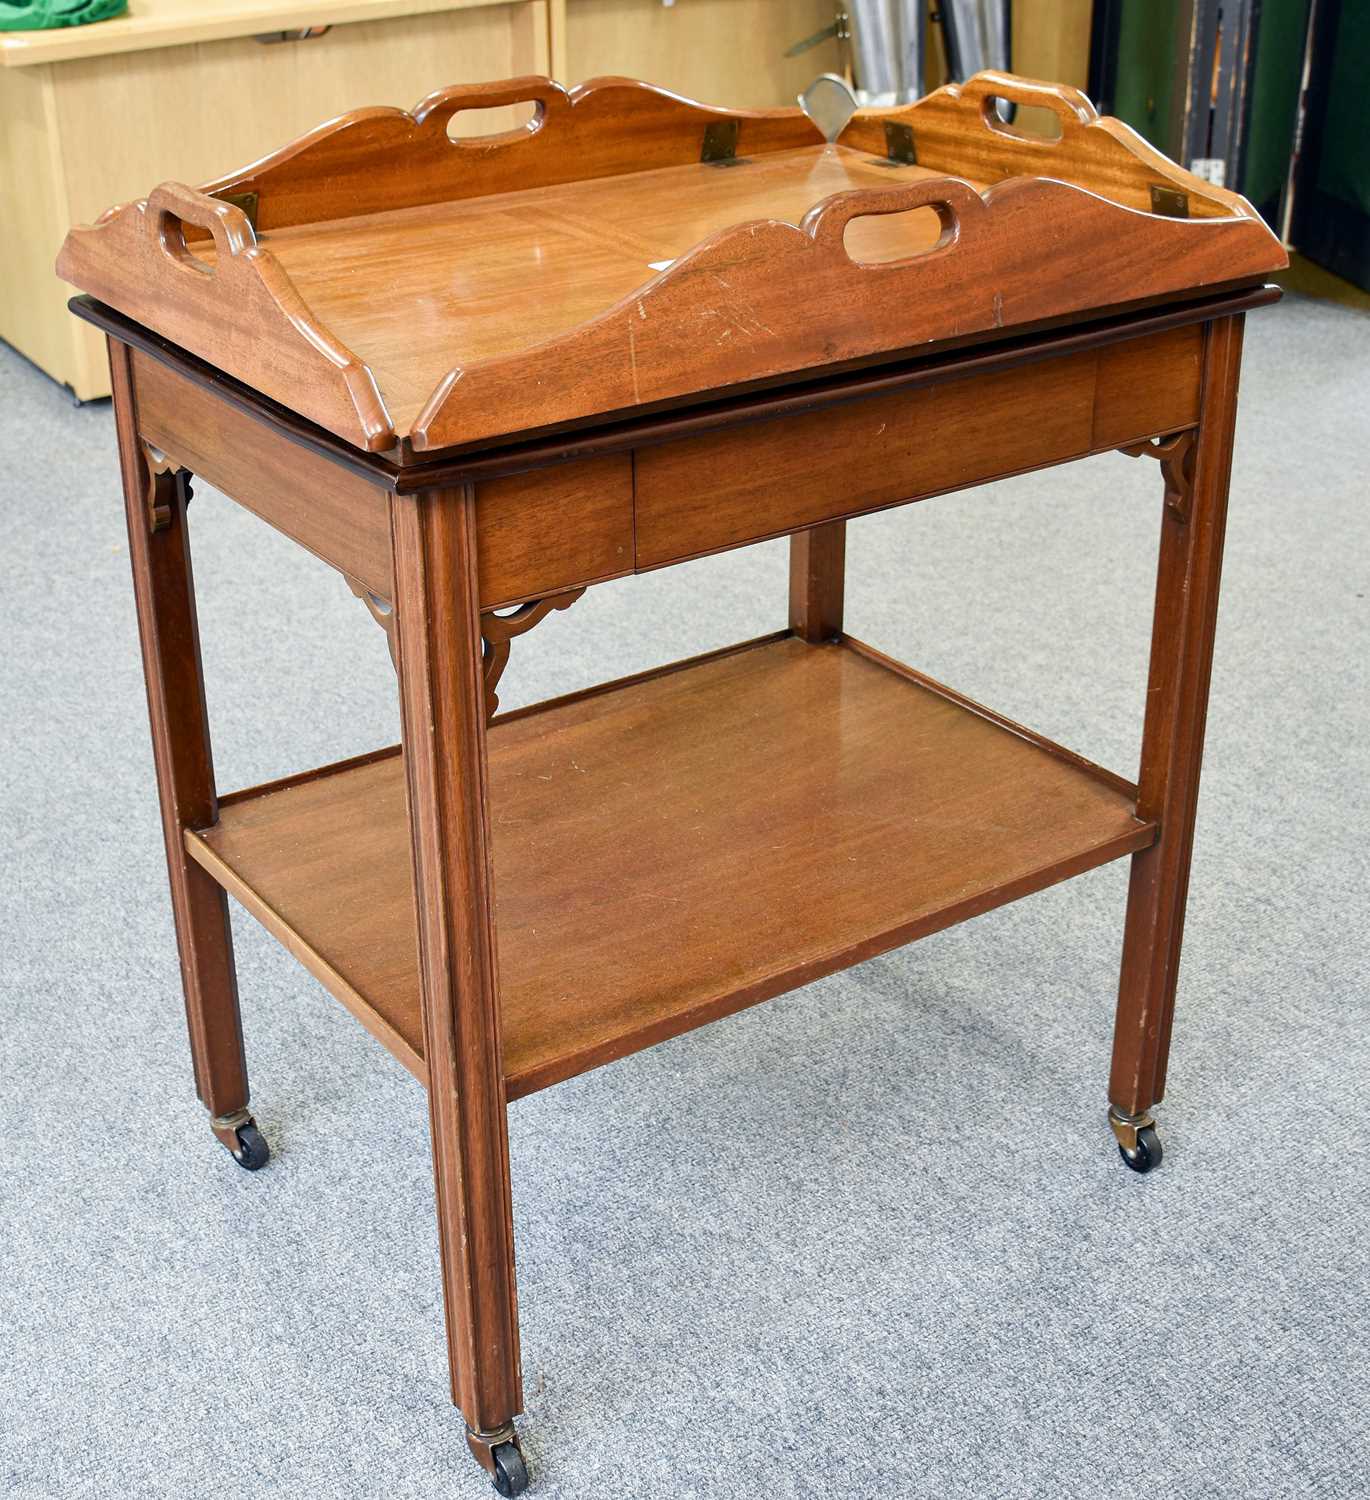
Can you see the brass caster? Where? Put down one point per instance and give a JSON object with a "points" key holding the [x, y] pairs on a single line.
{"points": [[1138, 1144], [499, 1454], [238, 1135]]}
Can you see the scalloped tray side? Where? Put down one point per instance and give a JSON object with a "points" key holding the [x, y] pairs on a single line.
{"points": [[1029, 250], [955, 129], [377, 160], [242, 314]]}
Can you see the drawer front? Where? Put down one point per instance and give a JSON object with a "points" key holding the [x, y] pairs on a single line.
{"points": [[553, 529], [721, 490]]}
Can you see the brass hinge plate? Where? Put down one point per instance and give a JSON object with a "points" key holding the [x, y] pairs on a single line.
{"points": [[900, 150], [720, 144], [1170, 202], [246, 201]]}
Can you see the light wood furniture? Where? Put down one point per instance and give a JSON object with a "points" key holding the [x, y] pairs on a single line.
{"points": [[720, 51], [479, 380]]}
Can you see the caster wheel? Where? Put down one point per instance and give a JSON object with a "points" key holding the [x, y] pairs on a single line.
{"points": [[1148, 1154], [511, 1473], [253, 1153]]}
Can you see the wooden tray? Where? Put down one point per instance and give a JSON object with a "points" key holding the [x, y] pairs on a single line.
{"points": [[629, 250]]}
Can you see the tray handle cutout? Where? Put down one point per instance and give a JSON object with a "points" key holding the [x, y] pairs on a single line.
{"points": [[955, 203], [1069, 105], [438, 110], [172, 206]]}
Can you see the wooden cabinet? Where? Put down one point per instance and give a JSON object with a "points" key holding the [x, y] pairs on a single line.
{"points": [[716, 51], [89, 116]]}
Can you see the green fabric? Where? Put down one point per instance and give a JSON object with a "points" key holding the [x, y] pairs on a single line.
{"points": [[1147, 39], [1344, 168], [1274, 100], [44, 15]]}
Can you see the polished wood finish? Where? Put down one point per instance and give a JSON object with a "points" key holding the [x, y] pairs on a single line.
{"points": [[377, 161], [559, 273], [797, 862], [159, 550], [1095, 151], [720, 490], [478, 295], [1193, 522], [243, 310], [559, 527], [661, 851], [548, 530], [181, 89], [985, 272], [442, 712], [818, 581], [408, 473], [338, 515]]}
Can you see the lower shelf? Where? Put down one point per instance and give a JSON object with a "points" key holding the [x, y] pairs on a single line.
{"points": [[676, 847]]}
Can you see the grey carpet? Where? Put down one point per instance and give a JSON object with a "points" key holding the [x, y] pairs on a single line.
{"points": [[870, 1239]]}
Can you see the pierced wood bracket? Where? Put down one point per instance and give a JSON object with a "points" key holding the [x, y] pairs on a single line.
{"points": [[498, 631], [1175, 454], [381, 611], [163, 475]]}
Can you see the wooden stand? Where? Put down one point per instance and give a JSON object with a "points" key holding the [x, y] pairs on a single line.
{"points": [[807, 801]]}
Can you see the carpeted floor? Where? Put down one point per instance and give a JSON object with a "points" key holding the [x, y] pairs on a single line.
{"points": [[869, 1239]]}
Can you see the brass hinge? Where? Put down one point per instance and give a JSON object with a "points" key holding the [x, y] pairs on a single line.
{"points": [[720, 144], [1170, 202], [900, 150], [246, 201]]}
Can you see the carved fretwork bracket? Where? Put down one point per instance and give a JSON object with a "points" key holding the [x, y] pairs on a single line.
{"points": [[381, 611], [163, 475], [497, 631], [1175, 455]]}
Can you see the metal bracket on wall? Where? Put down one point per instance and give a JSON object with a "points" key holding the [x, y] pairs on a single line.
{"points": [[294, 34]]}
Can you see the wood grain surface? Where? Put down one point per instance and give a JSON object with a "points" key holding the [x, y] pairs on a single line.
{"points": [[702, 494], [955, 129], [240, 310], [766, 298], [1188, 575], [623, 273], [374, 161], [673, 850], [494, 276], [169, 635], [338, 515]]}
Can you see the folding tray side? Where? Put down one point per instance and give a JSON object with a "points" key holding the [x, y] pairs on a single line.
{"points": [[237, 309]]}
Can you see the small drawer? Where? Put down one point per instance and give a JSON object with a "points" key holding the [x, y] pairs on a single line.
{"points": [[556, 528], [724, 489]]}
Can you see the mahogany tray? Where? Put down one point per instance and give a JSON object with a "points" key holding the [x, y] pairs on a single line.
{"points": [[629, 250]]}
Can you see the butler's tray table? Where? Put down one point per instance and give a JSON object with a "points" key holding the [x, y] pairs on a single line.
{"points": [[481, 376]]}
